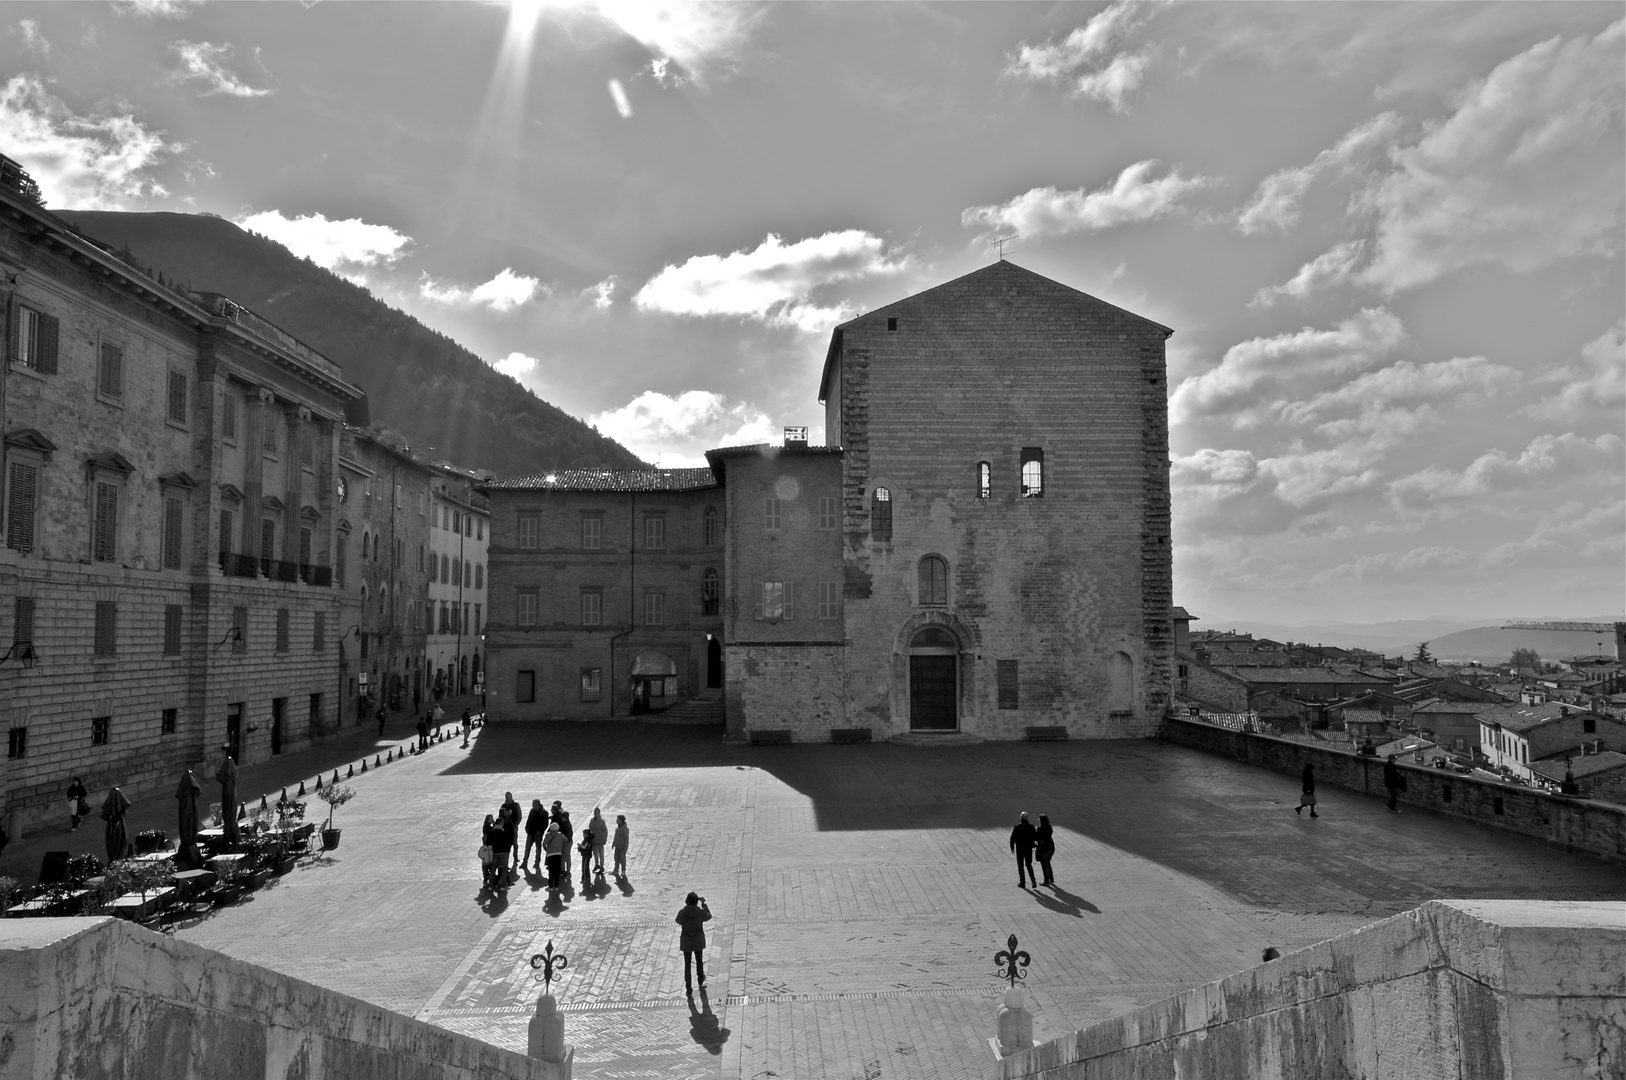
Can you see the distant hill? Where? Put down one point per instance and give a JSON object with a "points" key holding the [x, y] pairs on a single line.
{"points": [[1448, 639], [419, 382], [1492, 645]]}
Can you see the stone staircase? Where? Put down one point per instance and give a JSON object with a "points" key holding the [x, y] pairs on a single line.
{"points": [[703, 709]]}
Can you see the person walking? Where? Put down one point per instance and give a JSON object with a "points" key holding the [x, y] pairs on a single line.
{"points": [[113, 811], [488, 851], [536, 827], [1044, 846], [692, 940], [437, 718], [423, 733], [78, 808], [382, 716], [502, 850], [1307, 791], [561, 818], [622, 838], [600, 832], [468, 724], [1023, 838], [510, 817], [1395, 781], [553, 850]]}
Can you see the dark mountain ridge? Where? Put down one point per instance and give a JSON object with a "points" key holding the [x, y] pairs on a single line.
{"points": [[441, 398]]}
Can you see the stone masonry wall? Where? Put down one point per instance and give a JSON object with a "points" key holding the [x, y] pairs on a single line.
{"points": [[778, 688]]}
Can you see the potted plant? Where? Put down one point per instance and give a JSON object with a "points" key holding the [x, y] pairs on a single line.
{"points": [[8, 889], [335, 797], [130, 877]]}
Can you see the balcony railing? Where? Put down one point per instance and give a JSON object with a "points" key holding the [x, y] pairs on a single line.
{"points": [[312, 574], [239, 565], [248, 566]]}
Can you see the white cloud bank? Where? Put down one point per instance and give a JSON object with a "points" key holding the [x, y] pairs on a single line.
{"points": [[694, 39], [776, 283], [1085, 59], [101, 161], [330, 243], [676, 431], [516, 364], [503, 293], [202, 64], [1137, 195], [1594, 389], [1275, 204]]}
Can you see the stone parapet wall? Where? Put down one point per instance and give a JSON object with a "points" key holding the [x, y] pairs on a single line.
{"points": [[102, 998], [1580, 824], [1489, 989]]}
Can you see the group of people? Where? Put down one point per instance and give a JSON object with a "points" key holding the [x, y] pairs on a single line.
{"points": [[429, 726], [549, 834], [1029, 841], [1394, 782]]}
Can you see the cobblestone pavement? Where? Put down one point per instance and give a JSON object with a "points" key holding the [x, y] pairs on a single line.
{"points": [[860, 893]]}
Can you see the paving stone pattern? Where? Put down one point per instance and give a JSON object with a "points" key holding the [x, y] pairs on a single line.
{"points": [[859, 893]]}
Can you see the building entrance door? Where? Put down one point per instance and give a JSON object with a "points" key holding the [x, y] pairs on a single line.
{"points": [[276, 724], [714, 663], [234, 730], [934, 681]]}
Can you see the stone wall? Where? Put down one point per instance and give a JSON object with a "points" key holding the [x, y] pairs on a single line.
{"points": [[1572, 823], [102, 998], [795, 687], [1489, 989]]}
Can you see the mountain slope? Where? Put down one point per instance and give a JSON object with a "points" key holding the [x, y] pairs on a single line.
{"points": [[419, 382]]}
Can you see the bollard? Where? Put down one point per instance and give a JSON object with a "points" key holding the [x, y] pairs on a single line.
{"points": [[318, 782], [363, 764], [335, 779], [301, 794], [349, 775], [262, 803], [242, 811], [376, 761], [1015, 1023], [546, 1039]]}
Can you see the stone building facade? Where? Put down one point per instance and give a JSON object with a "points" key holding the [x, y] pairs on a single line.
{"points": [[454, 616], [170, 520], [985, 546]]}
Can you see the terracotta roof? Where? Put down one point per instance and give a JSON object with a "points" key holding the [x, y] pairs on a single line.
{"points": [[1588, 765], [608, 480], [1299, 675], [1525, 717], [1465, 708]]}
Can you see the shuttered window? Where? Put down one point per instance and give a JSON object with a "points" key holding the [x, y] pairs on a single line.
{"points": [[105, 531], [239, 620], [282, 629], [110, 375], [305, 546], [177, 397], [22, 622], [225, 532], [172, 629], [22, 496], [268, 539], [319, 632], [35, 343], [174, 515], [775, 601], [228, 417], [107, 622]]}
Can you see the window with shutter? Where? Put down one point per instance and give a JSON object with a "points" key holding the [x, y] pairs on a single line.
{"points": [[592, 532], [282, 629], [22, 622], [772, 512], [772, 604], [225, 532], [319, 632], [174, 514], [239, 620], [172, 629], [592, 607], [104, 540], [479, 575], [828, 511], [305, 546], [654, 609], [829, 599], [22, 496], [177, 397], [527, 607], [228, 418], [34, 344], [1008, 697], [341, 552], [45, 354], [110, 376], [107, 614], [268, 442], [268, 539]]}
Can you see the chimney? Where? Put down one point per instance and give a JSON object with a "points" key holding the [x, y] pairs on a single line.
{"points": [[796, 436], [1563, 710]]}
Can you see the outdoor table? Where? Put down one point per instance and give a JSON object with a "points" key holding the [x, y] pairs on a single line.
{"points": [[153, 857], [27, 908], [190, 882], [135, 907]]}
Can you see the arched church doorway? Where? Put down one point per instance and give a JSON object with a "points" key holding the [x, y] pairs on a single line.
{"points": [[1120, 683], [714, 663], [934, 681], [654, 682]]}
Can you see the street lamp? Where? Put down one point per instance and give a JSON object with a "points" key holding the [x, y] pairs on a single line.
{"points": [[23, 651]]}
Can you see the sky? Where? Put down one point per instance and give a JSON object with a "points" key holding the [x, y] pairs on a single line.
{"points": [[1389, 237]]}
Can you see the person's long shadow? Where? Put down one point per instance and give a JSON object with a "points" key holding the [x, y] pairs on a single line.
{"points": [[494, 901], [1064, 902], [555, 906], [624, 883], [704, 1027]]}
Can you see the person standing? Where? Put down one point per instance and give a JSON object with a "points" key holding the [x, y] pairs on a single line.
{"points": [[468, 724], [382, 716], [692, 940], [536, 827], [600, 832], [1023, 838], [585, 850], [1307, 791], [1044, 846], [437, 718], [622, 838], [510, 817], [502, 850], [423, 732], [113, 811], [561, 818], [488, 851], [1395, 781], [553, 850], [78, 808]]}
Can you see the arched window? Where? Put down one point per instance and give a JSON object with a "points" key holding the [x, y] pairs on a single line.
{"points": [[710, 534], [933, 580], [708, 591], [880, 516], [985, 480], [366, 542], [1032, 472]]}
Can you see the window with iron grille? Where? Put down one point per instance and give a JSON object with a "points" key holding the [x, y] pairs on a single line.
{"points": [[282, 629], [319, 632], [172, 629], [1032, 472], [710, 589], [268, 538], [35, 343], [16, 743], [99, 729], [525, 687], [22, 621], [530, 529], [177, 397], [107, 618], [1007, 673], [105, 526], [228, 418], [829, 599], [592, 604], [880, 516], [239, 619], [933, 580], [829, 512], [710, 530], [592, 683], [22, 497], [772, 512], [166, 722], [174, 516], [110, 373]]}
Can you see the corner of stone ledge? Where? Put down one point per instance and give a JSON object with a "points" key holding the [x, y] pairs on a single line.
{"points": [[22, 935]]}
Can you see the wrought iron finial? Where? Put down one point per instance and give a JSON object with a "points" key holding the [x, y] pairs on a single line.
{"points": [[1013, 962], [546, 960]]}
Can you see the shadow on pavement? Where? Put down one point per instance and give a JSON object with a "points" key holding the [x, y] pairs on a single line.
{"points": [[704, 1026], [1064, 902]]}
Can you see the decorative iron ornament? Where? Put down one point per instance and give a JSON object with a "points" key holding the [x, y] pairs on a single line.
{"points": [[547, 960], [1013, 963]]}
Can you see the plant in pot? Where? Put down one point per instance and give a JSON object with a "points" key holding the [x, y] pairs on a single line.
{"points": [[8, 889], [335, 797], [131, 877]]}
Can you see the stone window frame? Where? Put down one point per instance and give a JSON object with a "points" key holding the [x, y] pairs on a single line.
{"points": [[110, 350], [773, 513], [522, 594], [1032, 473], [591, 682], [829, 599], [932, 590], [711, 527], [101, 730], [229, 413], [174, 629], [775, 601], [168, 720], [174, 489], [26, 450], [880, 514], [592, 530], [527, 531], [1007, 680], [111, 471], [183, 421], [829, 512], [655, 530], [285, 631], [590, 602], [39, 355], [525, 686], [104, 643], [654, 606], [711, 591]]}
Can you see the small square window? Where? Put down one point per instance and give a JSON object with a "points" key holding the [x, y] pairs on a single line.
{"points": [[166, 725], [891, 322], [99, 726]]}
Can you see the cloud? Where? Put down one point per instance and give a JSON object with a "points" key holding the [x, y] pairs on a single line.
{"points": [[1256, 377], [1394, 566], [1276, 203], [203, 64], [618, 94], [504, 292], [1330, 267], [331, 244], [516, 364], [779, 284], [1135, 196], [173, 10], [700, 39], [1082, 58], [602, 295], [1588, 532], [676, 431], [1569, 455], [1528, 169], [1461, 381], [1593, 389], [33, 40], [103, 161]]}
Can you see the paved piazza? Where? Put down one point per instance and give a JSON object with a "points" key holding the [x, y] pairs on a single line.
{"points": [[859, 892]]}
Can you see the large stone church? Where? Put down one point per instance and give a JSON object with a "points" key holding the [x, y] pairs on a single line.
{"points": [[983, 547]]}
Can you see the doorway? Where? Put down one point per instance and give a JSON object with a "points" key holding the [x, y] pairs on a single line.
{"points": [[654, 682], [234, 730], [277, 709], [714, 663], [934, 681]]}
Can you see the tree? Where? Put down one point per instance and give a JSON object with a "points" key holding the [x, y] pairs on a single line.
{"points": [[1423, 655], [1525, 659]]}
